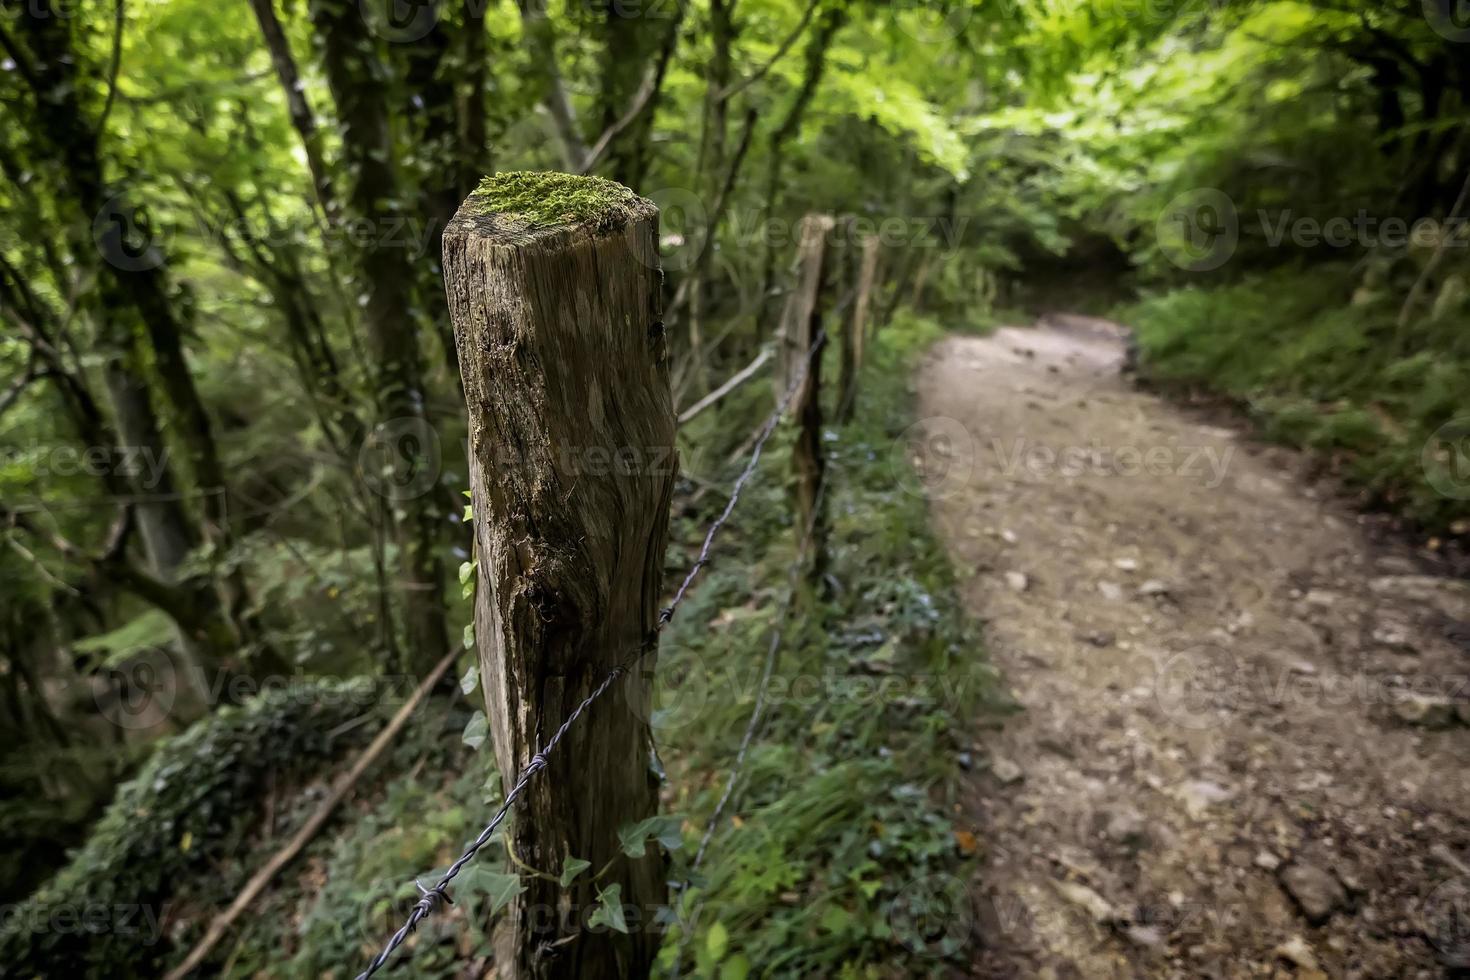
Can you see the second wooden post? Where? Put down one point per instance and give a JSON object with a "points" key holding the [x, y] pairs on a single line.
{"points": [[554, 291]]}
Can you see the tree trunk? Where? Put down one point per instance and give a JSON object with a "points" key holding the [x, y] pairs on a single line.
{"points": [[572, 471], [386, 278]]}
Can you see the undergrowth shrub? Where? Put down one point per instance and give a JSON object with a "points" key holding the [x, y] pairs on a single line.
{"points": [[106, 912], [1322, 372]]}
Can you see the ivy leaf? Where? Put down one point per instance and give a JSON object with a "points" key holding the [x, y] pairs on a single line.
{"points": [[466, 571], [476, 731], [498, 886], [609, 911], [470, 680], [665, 827], [572, 868]]}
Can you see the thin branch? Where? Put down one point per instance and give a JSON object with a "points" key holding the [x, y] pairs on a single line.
{"points": [[112, 70], [736, 380], [32, 373], [647, 89], [731, 91]]}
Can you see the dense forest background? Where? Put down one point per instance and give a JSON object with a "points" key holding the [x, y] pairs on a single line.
{"points": [[231, 430]]}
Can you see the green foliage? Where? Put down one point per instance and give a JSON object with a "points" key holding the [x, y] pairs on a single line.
{"points": [[189, 806], [845, 796], [1321, 372]]}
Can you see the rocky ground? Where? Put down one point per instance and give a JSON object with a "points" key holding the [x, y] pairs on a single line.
{"points": [[1243, 749]]}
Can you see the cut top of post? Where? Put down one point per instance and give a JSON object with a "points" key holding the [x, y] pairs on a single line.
{"points": [[523, 206]]}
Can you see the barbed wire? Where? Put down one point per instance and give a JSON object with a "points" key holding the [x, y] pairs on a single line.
{"points": [[773, 650], [433, 897]]}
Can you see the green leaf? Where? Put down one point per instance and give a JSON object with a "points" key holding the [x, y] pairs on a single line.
{"points": [[149, 630], [466, 571], [736, 967], [572, 868], [471, 679], [716, 941], [476, 731], [498, 886], [469, 638], [664, 827], [609, 911]]}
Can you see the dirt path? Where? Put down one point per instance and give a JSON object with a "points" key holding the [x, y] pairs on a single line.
{"points": [[1217, 772]]}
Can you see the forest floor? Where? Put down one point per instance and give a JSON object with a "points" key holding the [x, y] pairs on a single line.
{"points": [[1242, 745]]}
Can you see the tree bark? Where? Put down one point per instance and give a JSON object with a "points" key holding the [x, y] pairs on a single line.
{"points": [[565, 368]]}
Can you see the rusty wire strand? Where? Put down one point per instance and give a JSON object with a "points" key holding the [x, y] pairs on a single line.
{"points": [[437, 894]]}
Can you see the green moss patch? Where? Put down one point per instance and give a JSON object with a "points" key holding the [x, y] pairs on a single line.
{"points": [[542, 199]]}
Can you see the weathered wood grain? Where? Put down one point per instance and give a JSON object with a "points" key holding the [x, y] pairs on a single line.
{"points": [[572, 469]]}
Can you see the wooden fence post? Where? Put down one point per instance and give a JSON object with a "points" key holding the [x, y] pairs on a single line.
{"points": [[799, 326], [855, 334], [554, 292]]}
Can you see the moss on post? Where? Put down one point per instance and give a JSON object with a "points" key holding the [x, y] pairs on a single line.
{"points": [[545, 199]]}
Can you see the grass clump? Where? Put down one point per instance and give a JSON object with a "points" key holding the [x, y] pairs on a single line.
{"points": [[846, 807], [546, 198]]}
